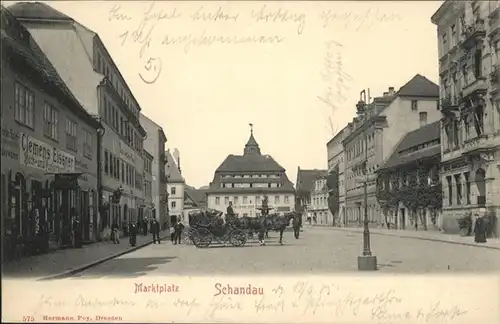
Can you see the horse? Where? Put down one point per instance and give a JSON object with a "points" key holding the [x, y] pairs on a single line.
{"points": [[280, 222]]}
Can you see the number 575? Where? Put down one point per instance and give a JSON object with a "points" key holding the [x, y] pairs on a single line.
{"points": [[28, 319]]}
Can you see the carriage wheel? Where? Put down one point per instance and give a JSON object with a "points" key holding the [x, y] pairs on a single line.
{"points": [[187, 236], [237, 238], [202, 238]]}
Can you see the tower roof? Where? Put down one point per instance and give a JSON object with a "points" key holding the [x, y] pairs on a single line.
{"points": [[252, 147]]}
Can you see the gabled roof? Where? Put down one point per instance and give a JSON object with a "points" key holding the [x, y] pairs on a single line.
{"points": [[37, 10], [197, 195], [414, 139], [306, 178], [419, 86], [171, 170], [13, 37], [249, 163]]}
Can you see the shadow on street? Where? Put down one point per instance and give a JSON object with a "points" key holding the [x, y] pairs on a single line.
{"points": [[124, 267]]}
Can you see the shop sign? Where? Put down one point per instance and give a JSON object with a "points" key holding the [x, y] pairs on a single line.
{"points": [[40, 155], [10, 143]]}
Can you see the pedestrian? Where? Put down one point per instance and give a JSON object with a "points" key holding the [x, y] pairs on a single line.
{"points": [[155, 229], [115, 233], [77, 232], [479, 230], [132, 232], [172, 233], [145, 227], [178, 227]]}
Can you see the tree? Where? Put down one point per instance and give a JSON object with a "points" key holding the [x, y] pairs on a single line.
{"points": [[332, 183]]}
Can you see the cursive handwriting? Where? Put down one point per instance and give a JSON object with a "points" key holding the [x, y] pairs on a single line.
{"points": [[280, 15], [357, 21], [218, 15], [222, 303], [152, 71], [189, 305], [99, 303], [436, 312], [333, 72], [151, 14], [116, 14], [265, 304]]}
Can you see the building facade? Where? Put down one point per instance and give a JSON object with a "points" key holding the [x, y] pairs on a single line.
{"points": [[101, 90], [318, 207], [175, 187], [469, 57], [49, 168], [408, 185], [375, 132], [155, 144], [336, 158], [246, 180], [149, 205], [304, 187]]}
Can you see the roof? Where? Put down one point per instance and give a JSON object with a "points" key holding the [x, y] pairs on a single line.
{"points": [[197, 195], [30, 54], [37, 10], [419, 86], [306, 178], [426, 134], [171, 170], [288, 188], [249, 163]]}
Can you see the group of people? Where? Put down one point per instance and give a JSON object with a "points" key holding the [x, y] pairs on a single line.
{"points": [[176, 232], [133, 230]]}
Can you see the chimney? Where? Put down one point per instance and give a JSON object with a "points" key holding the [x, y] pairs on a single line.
{"points": [[391, 91], [386, 94]]}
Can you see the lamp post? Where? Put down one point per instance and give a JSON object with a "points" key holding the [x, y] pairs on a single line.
{"points": [[366, 261]]}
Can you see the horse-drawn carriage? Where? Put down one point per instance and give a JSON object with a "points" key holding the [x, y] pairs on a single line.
{"points": [[208, 226]]}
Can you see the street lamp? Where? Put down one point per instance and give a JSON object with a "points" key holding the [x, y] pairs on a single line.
{"points": [[366, 261]]}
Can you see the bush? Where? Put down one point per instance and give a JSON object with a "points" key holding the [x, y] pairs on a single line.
{"points": [[465, 224]]}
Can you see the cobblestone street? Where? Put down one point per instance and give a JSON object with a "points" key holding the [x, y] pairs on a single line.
{"points": [[318, 251]]}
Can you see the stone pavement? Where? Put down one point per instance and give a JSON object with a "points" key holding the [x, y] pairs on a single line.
{"points": [[61, 261], [431, 235]]}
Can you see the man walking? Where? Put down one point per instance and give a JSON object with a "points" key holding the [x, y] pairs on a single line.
{"points": [[155, 229], [178, 227]]}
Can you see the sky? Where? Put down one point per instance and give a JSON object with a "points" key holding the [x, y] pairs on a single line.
{"points": [[205, 70]]}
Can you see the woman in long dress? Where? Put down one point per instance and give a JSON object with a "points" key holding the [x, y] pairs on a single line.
{"points": [[479, 230]]}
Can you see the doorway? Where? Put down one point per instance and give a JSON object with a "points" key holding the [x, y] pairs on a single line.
{"points": [[403, 218]]}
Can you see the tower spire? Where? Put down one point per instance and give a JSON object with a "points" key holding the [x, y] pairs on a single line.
{"points": [[252, 147], [251, 128]]}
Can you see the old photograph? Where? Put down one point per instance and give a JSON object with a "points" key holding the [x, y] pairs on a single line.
{"points": [[143, 139]]}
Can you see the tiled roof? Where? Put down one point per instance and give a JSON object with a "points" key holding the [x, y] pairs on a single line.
{"points": [[306, 178], [249, 163], [415, 138], [197, 195], [171, 169], [37, 10], [419, 86]]}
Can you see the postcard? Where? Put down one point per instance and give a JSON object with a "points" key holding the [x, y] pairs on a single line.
{"points": [[250, 161]]}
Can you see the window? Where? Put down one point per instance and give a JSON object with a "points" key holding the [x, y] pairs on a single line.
{"points": [[172, 191], [245, 200], [277, 199], [450, 190], [467, 187], [444, 41], [123, 170], [50, 121], [287, 200], [423, 118], [173, 204], [87, 144], [24, 106], [226, 200], [454, 39], [71, 134], [478, 67], [217, 200], [458, 184], [106, 161], [111, 165], [235, 200], [414, 105]]}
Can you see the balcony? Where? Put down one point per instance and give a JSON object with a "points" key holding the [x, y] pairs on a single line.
{"points": [[477, 143], [478, 86], [449, 103], [473, 35]]}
